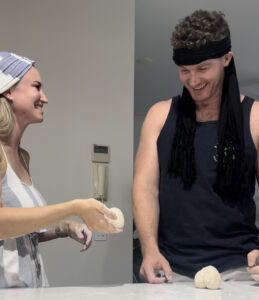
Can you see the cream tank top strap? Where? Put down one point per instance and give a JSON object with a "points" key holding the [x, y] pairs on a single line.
{"points": [[10, 167]]}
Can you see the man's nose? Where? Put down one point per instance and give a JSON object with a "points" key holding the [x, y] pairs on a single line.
{"points": [[193, 80]]}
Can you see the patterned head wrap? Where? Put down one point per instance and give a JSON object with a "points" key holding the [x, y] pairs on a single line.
{"points": [[12, 68]]}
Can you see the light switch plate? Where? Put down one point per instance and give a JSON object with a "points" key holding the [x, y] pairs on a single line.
{"points": [[98, 236]]}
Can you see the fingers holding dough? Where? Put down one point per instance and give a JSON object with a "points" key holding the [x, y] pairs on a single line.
{"points": [[119, 222]]}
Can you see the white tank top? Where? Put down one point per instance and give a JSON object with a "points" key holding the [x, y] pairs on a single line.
{"points": [[20, 261]]}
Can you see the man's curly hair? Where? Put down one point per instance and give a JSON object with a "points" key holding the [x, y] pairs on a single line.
{"points": [[199, 28]]}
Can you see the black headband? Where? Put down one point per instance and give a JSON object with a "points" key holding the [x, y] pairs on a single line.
{"points": [[193, 56]]}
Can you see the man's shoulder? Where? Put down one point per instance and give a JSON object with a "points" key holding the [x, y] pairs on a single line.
{"points": [[157, 115], [161, 107], [254, 123], [255, 111], [256, 105]]}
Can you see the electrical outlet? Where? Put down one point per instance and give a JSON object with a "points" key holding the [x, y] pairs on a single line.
{"points": [[98, 236]]}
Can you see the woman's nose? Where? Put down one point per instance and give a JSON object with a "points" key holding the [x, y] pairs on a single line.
{"points": [[43, 98]]}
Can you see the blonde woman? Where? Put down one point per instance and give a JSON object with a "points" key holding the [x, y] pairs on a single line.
{"points": [[25, 219]]}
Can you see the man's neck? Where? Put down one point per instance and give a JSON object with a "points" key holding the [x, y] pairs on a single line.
{"points": [[208, 110]]}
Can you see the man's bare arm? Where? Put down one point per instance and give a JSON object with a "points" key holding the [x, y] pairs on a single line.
{"points": [[146, 182]]}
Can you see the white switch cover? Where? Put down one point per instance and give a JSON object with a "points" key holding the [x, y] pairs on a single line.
{"points": [[98, 236]]}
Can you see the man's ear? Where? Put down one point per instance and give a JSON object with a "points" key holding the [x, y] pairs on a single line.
{"points": [[227, 58]]}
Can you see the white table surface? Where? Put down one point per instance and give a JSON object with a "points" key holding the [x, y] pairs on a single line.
{"points": [[248, 290]]}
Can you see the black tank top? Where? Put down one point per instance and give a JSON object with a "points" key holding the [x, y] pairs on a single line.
{"points": [[196, 227]]}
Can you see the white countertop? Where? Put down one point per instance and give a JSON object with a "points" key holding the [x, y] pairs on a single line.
{"points": [[248, 290]]}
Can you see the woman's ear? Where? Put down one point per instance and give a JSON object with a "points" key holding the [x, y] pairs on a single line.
{"points": [[227, 58], [8, 95]]}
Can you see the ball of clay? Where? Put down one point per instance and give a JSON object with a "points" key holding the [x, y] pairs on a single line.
{"points": [[119, 222], [211, 277], [199, 280], [207, 277]]}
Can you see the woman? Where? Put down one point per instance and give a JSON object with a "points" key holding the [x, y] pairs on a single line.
{"points": [[25, 219]]}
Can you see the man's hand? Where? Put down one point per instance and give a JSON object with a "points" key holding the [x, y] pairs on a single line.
{"points": [[253, 264], [152, 263]]}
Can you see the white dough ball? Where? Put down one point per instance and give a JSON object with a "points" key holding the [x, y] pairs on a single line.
{"points": [[199, 280], [212, 278], [207, 277], [119, 222]]}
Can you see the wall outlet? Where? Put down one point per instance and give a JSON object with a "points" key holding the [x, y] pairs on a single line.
{"points": [[98, 236]]}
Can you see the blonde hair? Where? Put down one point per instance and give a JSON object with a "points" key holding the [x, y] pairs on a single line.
{"points": [[6, 118]]}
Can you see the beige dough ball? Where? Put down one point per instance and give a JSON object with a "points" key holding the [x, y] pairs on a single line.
{"points": [[211, 277], [207, 277], [119, 222], [199, 280]]}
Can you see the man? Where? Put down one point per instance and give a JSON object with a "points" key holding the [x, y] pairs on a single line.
{"points": [[197, 162]]}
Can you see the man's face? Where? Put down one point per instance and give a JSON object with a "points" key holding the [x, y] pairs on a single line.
{"points": [[204, 81]]}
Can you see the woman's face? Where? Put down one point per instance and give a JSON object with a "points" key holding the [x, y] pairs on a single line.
{"points": [[27, 98]]}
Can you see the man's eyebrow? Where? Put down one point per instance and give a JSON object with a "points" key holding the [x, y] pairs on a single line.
{"points": [[205, 64]]}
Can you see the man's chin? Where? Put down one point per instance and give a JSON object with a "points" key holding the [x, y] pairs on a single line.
{"points": [[201, 97]]}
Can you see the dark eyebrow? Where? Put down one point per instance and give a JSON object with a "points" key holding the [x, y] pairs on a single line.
{"points": [[38, 82], [205, 64]]}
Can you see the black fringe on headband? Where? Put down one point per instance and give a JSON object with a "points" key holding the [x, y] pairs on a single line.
{"points": [[231, 180]]}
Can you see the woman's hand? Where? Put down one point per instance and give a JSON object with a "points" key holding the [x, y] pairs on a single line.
{"points": [[92, 212], [78, 232]]}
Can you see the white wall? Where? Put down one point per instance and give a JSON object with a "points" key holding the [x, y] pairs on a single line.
{"points": [[84, 50]]}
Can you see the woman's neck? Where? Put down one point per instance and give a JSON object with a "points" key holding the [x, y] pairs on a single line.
{"points": [[14, 139]]}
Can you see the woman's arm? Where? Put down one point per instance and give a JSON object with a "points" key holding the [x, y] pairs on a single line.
{"points": [[18, 221], [68, 228]]}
